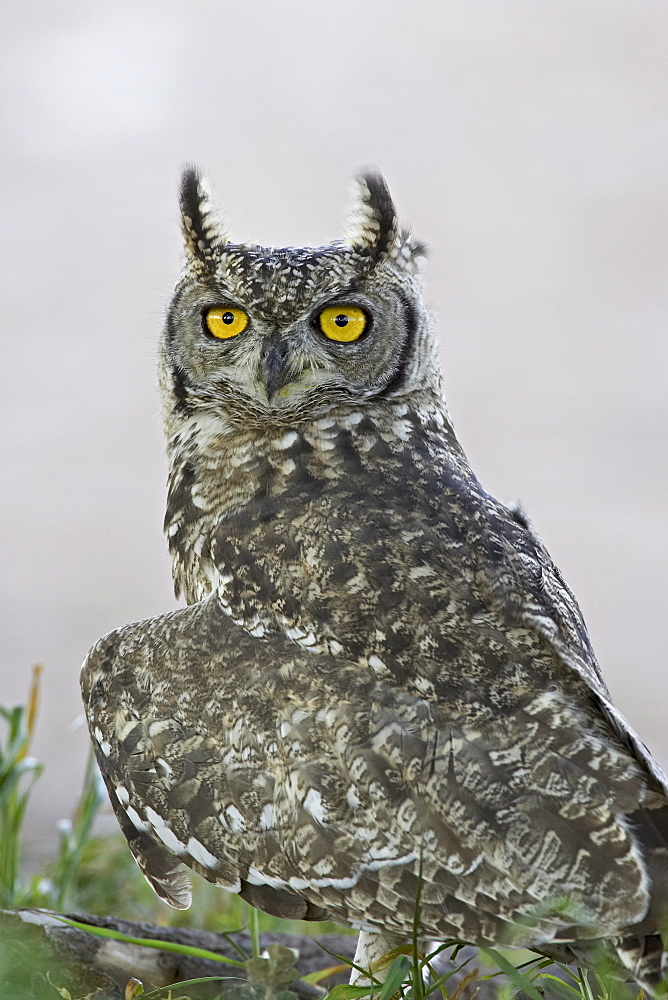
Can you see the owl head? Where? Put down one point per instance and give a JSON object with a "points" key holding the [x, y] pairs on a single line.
{"points": [[273, 335]]}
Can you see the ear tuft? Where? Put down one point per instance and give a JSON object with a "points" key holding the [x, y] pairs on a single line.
{"points": [[371, 228], [204, 233]]}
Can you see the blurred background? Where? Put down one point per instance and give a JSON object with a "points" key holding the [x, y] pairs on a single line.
{"points": [[526, 143]]}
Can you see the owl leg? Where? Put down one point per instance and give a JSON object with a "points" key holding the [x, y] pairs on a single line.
{"points": [[371, 947]]}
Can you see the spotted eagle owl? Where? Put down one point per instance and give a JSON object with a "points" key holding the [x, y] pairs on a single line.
{"points": [[381, 688]]}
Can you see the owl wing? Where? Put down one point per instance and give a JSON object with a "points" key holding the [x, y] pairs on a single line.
{"points": [[446, 592], [309, 786], [158, 710], [372, 571], [550, 609]]}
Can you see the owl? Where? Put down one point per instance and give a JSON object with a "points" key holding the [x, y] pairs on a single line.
{"points": [[380, 703]]}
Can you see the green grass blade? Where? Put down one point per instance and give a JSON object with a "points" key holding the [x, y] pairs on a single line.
{"points": [[181, 949], [518, 978], [345, 992], [316, 977], [585, 986], [161, 990], [254, 931], [398, 973], [349, 963], [562, 984]]}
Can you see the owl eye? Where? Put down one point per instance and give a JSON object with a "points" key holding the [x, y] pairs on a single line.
{"points": [[343, 323], [225, 322]]}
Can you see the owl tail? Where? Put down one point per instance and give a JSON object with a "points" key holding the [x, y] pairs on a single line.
{"points": [[644, 957]]}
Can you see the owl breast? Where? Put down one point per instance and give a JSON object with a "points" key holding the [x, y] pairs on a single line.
{"points": [[265, 499], [364, 535]]}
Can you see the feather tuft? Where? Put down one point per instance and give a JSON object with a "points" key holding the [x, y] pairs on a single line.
{"points": [[204, 232], [372, 229]]}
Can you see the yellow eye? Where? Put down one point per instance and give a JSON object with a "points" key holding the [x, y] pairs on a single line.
{"points": [[225, 322], [343, 323]]}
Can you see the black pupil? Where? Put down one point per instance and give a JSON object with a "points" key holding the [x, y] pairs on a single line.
{"points": [[341, 319], [227, 317]]}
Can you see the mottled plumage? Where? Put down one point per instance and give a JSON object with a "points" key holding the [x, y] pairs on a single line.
{"points": [[380, 671]]}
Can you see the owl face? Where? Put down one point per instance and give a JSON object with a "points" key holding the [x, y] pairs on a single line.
{"points": [[270, 334]]}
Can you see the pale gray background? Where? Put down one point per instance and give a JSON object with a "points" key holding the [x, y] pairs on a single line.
{"points": [[526, 142]]}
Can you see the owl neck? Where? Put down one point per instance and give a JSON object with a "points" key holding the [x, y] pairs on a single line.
{"points": [[218, 469]]}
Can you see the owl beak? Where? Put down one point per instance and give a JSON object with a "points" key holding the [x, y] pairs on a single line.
{"points": [[274, 368]]}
